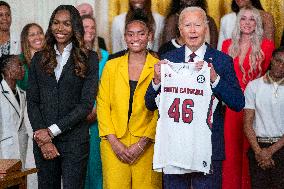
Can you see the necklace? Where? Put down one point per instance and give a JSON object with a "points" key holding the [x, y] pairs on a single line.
{"points": [[275, 84]]}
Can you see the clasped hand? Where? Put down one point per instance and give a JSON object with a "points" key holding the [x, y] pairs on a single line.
{"points": [[264, 158], [127, 154], [44, 141]]}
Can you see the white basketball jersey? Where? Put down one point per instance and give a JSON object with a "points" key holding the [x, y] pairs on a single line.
{"points": [[183, 134]]}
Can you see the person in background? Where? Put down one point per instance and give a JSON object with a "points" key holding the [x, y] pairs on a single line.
{"points": [[228, 21], [32, 40], [13, 132], [225, 87], [118, 25], [171, 34], [62, 86], [9, 42], [264, 125], [251, 52], [87, 9], [94, 178], [126, 127]]}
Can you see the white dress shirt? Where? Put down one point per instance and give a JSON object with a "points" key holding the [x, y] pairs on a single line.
{"points": [[61, 61]]}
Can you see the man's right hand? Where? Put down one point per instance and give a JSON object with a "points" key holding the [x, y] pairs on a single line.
{"points": [[157, 71]]}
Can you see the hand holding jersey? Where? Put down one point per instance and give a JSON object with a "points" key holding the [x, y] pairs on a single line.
{"points": [[198, 66], [185, 107]]}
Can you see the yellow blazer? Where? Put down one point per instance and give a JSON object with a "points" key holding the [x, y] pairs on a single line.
{"points": [[113, 100]]}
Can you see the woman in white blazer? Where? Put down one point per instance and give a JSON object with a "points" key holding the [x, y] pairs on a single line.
{"points": [[13, 132]]}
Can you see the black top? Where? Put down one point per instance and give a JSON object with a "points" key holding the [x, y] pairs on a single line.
{"points": [[102, 43], [132, 85]]}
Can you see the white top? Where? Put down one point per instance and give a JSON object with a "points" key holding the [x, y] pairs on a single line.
{"points": [[61, 61], [227, 26], [268, 103], [183, 135], [200, 52], [117, 32]]}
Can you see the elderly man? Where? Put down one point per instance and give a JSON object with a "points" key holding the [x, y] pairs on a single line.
{"points": [[224, 85], [85, 9], [264, 125]]}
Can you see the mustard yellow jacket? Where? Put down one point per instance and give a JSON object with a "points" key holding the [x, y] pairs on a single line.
{"points": [[113, 100]]}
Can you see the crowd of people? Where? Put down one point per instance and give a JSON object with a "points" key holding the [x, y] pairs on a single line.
{"points": [[173, 105]]}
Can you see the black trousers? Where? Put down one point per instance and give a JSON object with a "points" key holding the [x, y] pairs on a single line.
{"points": [[272, 178], [195, 180], [71, 166]]}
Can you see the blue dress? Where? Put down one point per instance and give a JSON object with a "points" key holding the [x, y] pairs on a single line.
{"points": [[94, 177]]}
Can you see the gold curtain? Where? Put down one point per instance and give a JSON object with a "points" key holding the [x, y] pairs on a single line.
{"points": [[216, 9]]}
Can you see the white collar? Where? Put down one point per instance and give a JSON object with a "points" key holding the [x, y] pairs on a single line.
{"points": [[200, 52], [174, 42], [68, 48]]}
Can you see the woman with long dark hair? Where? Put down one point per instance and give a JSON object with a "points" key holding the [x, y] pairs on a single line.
{"points": [[62, 86], [156, 24], [32, 40]]}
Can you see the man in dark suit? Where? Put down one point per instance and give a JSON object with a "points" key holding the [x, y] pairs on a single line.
{"points": [[225, 87]]}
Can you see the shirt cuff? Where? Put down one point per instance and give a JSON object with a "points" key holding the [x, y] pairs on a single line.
{"points": [[156, 87], [215, 83], [54, 129]]}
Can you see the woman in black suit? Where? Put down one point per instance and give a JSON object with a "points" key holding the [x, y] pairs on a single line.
{"points": [[61, 91]]}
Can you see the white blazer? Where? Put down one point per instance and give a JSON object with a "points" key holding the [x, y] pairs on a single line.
{"points": [[13, 132], [227, 26]]}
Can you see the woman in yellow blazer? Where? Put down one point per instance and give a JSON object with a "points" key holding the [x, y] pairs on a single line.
{"points": [[126, 126]]}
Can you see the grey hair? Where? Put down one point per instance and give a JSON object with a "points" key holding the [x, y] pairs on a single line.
{"points": [[256, 56], [193, 9]]}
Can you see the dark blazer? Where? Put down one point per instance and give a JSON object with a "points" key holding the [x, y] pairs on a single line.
{"points": [[66, 102], [227, 90]]}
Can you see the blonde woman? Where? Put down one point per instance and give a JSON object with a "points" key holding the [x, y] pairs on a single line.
{"points": [[251, 53]]}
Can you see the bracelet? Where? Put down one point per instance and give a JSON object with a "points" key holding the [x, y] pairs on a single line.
{"points": [[140, 146], [50, 133]]}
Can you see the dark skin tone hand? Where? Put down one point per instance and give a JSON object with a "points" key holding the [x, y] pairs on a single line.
{"points": [[42, 137], [49, 151], [92, 117]]}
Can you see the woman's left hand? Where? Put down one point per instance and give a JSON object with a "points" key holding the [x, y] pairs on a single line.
{"points": [[138, 148], [92, 117], [135, 151]]}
